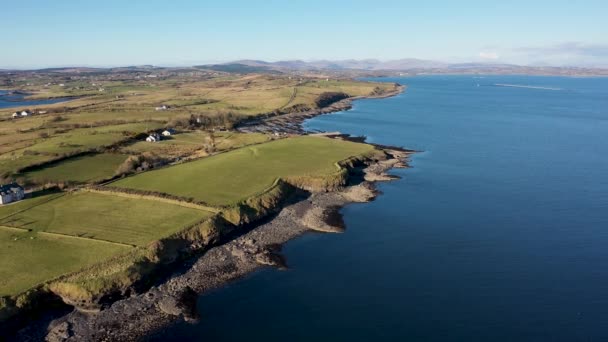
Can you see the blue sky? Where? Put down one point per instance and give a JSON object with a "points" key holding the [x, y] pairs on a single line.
{"points": [[180, 32]]}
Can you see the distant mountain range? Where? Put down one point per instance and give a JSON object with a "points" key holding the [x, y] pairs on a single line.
{"points": [[347, 64], [349, 68], [406, 65]]}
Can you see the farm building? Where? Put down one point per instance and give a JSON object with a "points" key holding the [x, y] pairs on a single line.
{"points": [[163, 107], [21, 114], [154, 137], [11, 193], [168, 132]]}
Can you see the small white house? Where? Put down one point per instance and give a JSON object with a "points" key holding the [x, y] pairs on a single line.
{"points": [[163, 107], [11, 193], [21, 114], [168, 132], [154, 137]]}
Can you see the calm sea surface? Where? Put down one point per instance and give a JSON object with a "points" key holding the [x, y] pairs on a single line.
{"points": [[17, 100], [498, 232]]}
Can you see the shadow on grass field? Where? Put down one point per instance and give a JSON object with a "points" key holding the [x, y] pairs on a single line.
{"points": [[83, 169]]}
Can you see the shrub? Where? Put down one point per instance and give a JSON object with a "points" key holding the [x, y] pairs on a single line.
{"points": [[142, 162], [328, 98]]}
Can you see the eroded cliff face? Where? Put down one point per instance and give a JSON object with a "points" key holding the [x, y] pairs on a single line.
{"points": [[98, 288]]}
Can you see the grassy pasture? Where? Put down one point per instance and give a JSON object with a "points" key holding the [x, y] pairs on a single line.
{"points": [[41, 150], [82, 169], [10, 209], [229, 177], [83, 139], [188, 142], [106, 217], [55, 234], [10, 163], [135, 100], [230, 140], [77, 141], [30, 258]]}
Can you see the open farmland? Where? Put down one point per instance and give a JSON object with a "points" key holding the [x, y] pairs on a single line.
{"points": [[113, 106], [55, 234], [45, 256], [188, 142], [106, 217], [7, 210], [135, 100], [82, 169], [54, 146], [85, 243], [229, 177]]}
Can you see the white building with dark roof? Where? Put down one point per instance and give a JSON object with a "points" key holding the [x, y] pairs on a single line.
{"points": [[11, 193]]}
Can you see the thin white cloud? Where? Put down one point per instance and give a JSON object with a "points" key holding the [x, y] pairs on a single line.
{"points": [[568, 48], [564, 54], [488, 55]]}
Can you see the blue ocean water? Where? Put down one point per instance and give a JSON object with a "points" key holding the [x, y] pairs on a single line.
{"points": [[498, 232], [17, 100]]}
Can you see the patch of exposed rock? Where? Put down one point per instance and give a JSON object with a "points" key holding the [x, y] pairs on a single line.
{"points": [[359, 193], [318, 218]]}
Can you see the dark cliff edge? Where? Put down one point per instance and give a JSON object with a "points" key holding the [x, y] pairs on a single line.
{"points": [[93, 290]]}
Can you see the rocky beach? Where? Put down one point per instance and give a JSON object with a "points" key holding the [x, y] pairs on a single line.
{"points": [[173, 298], [135, 317]]}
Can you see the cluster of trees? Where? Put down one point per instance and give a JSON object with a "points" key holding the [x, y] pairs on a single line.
{"points": [[138, 163], [328, 98], [378, 91], [226, 120]]}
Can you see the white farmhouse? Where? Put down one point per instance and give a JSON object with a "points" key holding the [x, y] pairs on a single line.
{"points": [[154, 137], [21, 114], [11, 193], [163, 107]]}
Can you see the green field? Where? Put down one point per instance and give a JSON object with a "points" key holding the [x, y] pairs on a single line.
{"points": [[80, 169], [86, 139], [30, 258], [106, 217], [230, 177], [43, 149], [188, 142], [10, 209]]}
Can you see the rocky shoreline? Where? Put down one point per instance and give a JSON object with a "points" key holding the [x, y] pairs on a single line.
{"points": [[174, 299], [141, 314], [292, 123]]}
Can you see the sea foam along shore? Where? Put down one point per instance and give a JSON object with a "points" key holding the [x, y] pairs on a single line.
{"points": [[142, 314]]}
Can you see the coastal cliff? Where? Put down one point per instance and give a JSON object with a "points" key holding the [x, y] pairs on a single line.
{"points": [[229, 252], [234, 242]]}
